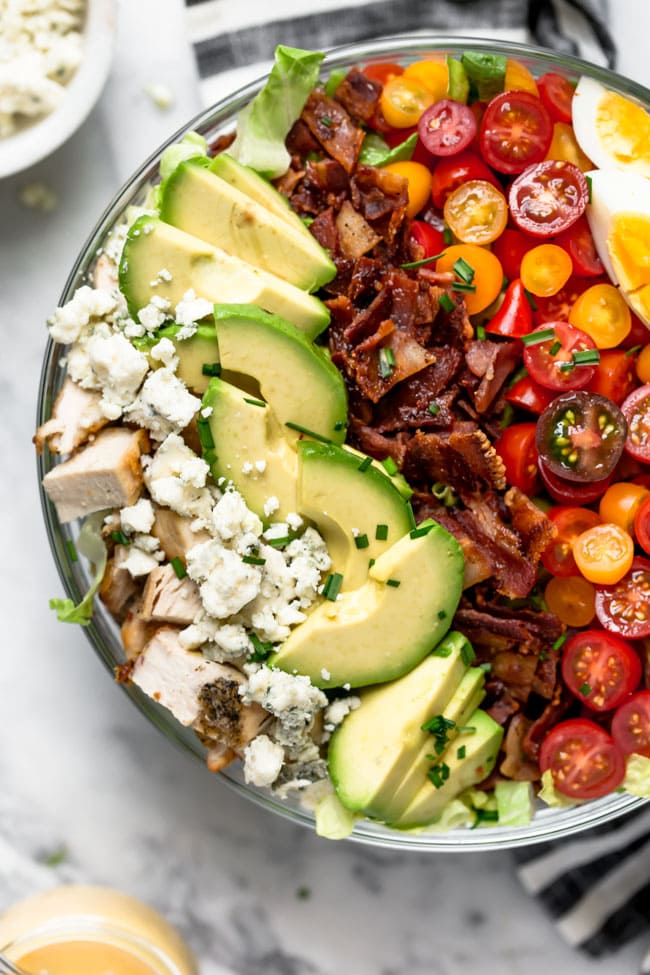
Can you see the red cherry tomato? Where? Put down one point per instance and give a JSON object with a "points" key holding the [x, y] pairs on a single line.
{"points": [[557, 95], [557, 307], [529, 395], [614, 377], [579, 245], [600, 669], [636, 410], [515, 316], [550, 363], [516, 448], [548, 198], [584, 761], [631, 725], [395, 137], [567, 492], [446, 127], [510, 248], [580, 436], [452, 171], [570, 522], [431, 241], [516, 131], [642, 525], [383, 72], [639, 334], [624, 607]]}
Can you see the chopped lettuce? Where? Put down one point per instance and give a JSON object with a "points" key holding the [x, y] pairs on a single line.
{"points": [[458, 87], [264, 124], [333, 820], [192, 144], [91, 544], [375, 152], [514, 803], [549, 794], [334, 81], [456, 815], [487, 72], [637, 776]]}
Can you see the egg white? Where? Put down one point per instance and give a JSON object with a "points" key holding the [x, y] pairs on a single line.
{"points": [[584, 110]]}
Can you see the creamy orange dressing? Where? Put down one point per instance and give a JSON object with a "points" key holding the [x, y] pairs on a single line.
{"points": [[83, 958]]}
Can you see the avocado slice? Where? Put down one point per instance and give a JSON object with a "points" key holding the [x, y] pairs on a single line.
{"points": [[198, 201], [247, 181], [381, 630], [152, 245], [239, 431], [193, 353], [299, 382], [373, 749], [479, 749], [344, 496]]}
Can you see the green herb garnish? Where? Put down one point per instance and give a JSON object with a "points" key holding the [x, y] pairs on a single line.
{"points": [[393, 582], [446, 303], [361, 541], [386, 362], [307, 432], [255, 402], [381, 533], [365, 464], [535, 338], [120, 537], [332, 586], [178, 567], [211, 369]]}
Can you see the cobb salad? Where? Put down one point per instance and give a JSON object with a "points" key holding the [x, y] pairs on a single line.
{"points": [[356, 420]]}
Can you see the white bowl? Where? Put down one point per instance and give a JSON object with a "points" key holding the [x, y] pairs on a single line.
{"points": [[35, 142]]}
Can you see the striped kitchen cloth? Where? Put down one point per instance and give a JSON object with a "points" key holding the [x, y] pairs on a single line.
{"points": [[595, 887]]}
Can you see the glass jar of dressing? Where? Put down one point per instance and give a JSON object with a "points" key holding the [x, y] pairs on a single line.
{"points": [[80, 930]]}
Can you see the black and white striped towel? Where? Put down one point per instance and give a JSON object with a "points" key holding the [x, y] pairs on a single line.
{"points": [[597, 886]]}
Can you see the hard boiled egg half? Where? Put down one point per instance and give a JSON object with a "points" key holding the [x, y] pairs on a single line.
{"points": [[612, 130], [619, 218]]}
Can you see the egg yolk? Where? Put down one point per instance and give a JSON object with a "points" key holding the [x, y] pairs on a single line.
{"points": [[628, 245], [624, 131]]}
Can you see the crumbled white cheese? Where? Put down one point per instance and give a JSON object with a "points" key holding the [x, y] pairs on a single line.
{"points": [[176, 477], [263, 760], [165, 351], [271, 505], [206, 412], [282, 693], [231, 517], [325, 674], [225, 582], [38, 196], [67, 322], [260, 466], [247, 467], [160, 94], [155, 314], [191, 310], [139, 563], [294, 521], [164, 405], [219, 641], [138, 517], [339, 709], [118, 369]]}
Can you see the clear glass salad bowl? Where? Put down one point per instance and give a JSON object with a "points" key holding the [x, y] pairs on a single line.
{"points": [[103, 632]]}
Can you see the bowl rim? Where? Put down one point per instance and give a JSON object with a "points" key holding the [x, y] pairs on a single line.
{"points": [[548, 824]]}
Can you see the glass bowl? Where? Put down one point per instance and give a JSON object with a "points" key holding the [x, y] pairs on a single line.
{"points": [[103, 633]]}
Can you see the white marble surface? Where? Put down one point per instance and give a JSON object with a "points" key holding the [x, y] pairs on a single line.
{"points": [[80, 767]]}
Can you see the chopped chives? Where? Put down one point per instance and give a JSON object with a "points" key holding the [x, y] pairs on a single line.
{"points": [[254, 402], [326, 121], [261, 650], [278, 542], [633, 350], [386, 362], [534, 338], [447, 235], [393, 582], [467, 729], [585, 689], [381, 533], [411, 516], [72, 550], [486, 668], [442, 614], [211, 369], [253, 560], [332, 586], [555, 348], [390, 466], [461, 752], [121, 538], [464, 270], [586, 357], [567, 366], [439, 774], [205, 435], [543, 655], [531, 300], [463, 287], [365, 464], [307, 433], [371, 562], [467, 654], [480, 333], [433, 408], [487, 815], [442, 651], [178, 567], [446, 303], [561, 640], [339, 425], [588, 178], [419, 532], [425, 260], [361, 541]]}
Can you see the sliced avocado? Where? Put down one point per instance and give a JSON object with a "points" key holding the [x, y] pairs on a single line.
{"points": [[198, 201], [193, 353], [152, 246], [397, 478], [239, 432], [247, 181], [478, 749], [459, 709], [299, 382], [374, 748], [384, 628], [351, 503]]}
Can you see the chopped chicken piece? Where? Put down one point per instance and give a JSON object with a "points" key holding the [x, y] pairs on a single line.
{"points": [[136, 632], [105, 273], [105, 474], [118, 585], [75, 416], [175, 534], [168, 599]]}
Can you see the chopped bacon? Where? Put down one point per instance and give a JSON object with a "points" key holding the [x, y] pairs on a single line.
{"points": [[300, 141], [531, 524], [550, 716], [382, 197], [464, 458], [515, 764], [516, 671], [356, 236], [408, 405], [325, 231], [333, 128], [492, 363], [359, 95]]}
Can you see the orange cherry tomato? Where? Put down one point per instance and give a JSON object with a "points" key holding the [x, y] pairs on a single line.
{"points": [[383, 72], [565, 147], [643, 364], [620, 503], [476, 212], [418, 178], [403, 100], [573, 600], [488, 273], [602, 313], [604, 554], [432, 75], [545, 269], [519, 78]]}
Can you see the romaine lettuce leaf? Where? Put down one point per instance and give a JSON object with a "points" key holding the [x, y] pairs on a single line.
{"points": [[264, 124], [487, 72], [375, 152], [514, 803], [637, 776], [91, 544], [192, 144], [549, 794]]}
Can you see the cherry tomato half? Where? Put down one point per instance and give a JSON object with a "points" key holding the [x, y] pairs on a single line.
{"points": [[488, 274], [564, 146], [430, 240], [447, 127], [516, 131], [620, 503], [476, 212], [639, 334], [403, 101], [453, 171], [579, 245], [557, 95], [383, 72], [545, 269], [514, 317], [548, 198], [603, 313], [527, 394], [636, 410], [614, 377], [510, 248], [604, 554], [600, 669], [570, 522], [631, 725], [624, 607], [583, 759], [572, 600], [642, 365], [557, 307], [580, 436], [519, 78], [516, 448], [642, 525], [551, 362], [432, 74], [571, 492], [418, 178]]}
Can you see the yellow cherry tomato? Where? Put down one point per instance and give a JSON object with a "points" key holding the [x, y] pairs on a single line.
{"points": [[601, 312], [545, 269], [620, 503], [565, 147], [604, 554], [476, 212], [519, 78], [432, 75], [419, 183], [643, 364], [403, 100], [488, 273], [573, 600]]}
